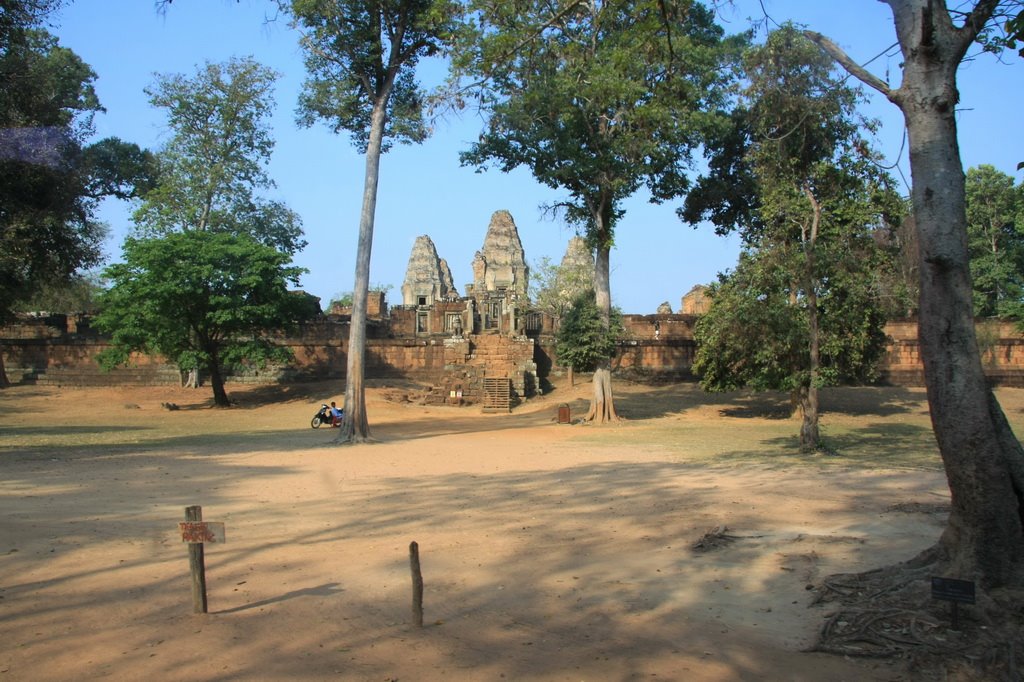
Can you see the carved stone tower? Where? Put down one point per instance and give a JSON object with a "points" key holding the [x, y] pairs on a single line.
{"points": [[427, 277]]}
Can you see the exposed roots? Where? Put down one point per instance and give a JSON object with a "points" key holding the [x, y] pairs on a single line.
{"points": [[715, 538], [889, 612]]}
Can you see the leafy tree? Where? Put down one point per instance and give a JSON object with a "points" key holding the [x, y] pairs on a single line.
{"points": [[596, 99], [343, 299], [584, 342], [204, 207], [995, 233], [361, 57], [984, 461], [554, 288], [216, 157], [80, 294], [50, 179], [201, 299], [815, 197]]}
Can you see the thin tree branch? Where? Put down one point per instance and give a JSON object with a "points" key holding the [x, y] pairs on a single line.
{"points": [[844, 60]]}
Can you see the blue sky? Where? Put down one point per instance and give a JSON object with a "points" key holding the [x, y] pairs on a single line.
{"points": [[423, 189]]}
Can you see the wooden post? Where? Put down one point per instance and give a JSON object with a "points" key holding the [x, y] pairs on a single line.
{"points": [[417, 584], [196, 563]]}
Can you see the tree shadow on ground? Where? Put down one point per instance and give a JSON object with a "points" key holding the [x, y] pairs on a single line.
{"points": [[877, 445], [565, 595]]}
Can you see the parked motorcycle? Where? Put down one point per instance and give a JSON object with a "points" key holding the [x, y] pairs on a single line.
{"points": [[323, 416]]}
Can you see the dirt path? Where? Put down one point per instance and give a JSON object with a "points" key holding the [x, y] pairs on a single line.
{"points": [[549, 552]]}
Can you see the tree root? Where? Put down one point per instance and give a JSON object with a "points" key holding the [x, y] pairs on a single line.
{"points": [[889, 613]]}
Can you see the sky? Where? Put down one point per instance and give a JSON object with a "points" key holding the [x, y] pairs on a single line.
{"points": [[424, 190]]}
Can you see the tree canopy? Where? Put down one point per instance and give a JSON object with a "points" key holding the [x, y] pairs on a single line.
{"points": [[214, 162], [209, 300], [51, 179], [597, 99], [995, 233], [583, 342], [802, 309], [361, 58], [554, 288], [204, 278]]}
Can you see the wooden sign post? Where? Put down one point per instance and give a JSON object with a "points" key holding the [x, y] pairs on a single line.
{"points": [[196, 532]]}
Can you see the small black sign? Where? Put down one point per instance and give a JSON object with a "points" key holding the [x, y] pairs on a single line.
{"points": [[951, 589]]}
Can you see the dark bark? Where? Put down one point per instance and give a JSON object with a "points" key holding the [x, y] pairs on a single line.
{"points": [[220, 395], [217, 382], [810, 436], [4, 382]]}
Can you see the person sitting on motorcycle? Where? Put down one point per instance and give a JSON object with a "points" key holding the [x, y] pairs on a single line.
{"points": [[336, 415]]}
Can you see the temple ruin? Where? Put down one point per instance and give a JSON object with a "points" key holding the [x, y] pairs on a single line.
{"points": [[427, 277], [485, 347], [488, 357]]}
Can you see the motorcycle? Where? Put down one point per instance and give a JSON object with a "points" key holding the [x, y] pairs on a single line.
{"points": [[323, 416]]}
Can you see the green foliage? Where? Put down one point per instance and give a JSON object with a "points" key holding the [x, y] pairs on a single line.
{"points": [[215, 159], [204, 278], [995, 233], [201, 299], [363, 52], [803, 307], [599, 98], [554, 288], [583, 342], [79, 294], [50, 179], [360, 58], [343, 299], [756, 333]]}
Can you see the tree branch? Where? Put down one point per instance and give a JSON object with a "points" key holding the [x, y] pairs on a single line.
{"points": [[974, 23], [859, 72]]}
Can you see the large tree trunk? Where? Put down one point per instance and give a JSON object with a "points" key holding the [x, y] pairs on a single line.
{"points": [[220, 394], [810, 435], [355, 428], [4, 382], [602, 404], [983, 539]]}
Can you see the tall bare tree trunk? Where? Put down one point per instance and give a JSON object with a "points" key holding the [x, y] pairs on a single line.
{"points": [[355, 428], [984, 463], [810, 435], [602, 404]]}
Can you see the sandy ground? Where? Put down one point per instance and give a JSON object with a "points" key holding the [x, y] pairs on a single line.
{"points": [[549, 551]]}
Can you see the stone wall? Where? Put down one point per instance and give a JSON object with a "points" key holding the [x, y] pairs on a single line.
{"points": [[62, 350]]}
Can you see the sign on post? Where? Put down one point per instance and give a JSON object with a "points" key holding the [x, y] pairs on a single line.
{"points": [[953, 590], [202, 531]]}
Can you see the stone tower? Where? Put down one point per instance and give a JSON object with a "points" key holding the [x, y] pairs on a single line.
{"points": [[427, 277], [500, 266]]}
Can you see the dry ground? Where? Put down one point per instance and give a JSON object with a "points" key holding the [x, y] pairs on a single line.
{"points": [[549, 552]]}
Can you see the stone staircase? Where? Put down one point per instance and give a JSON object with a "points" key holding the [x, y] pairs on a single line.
{"points": [[497, 395], [490, 369]]}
